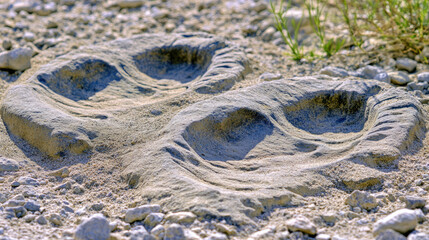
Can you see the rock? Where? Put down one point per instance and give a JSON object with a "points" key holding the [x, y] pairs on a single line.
{"points": [[62, 172], [28, 181], [406, 64], [95, 227], [29, 37], [29, 218], [153, 219], [399, 78], [139, 213], [55, 219], [181, 217], [97, 207], [361, 199], [330, 218], [301, 224], [174, 232], [402, 221], [323, 237], [41, 220], [418, 236], [19, 212], [423, 77], [32, 206], [413, 202], [158, 232], [8, 165], [413, 86], [263, 234], [17, 59], [373, 72], [216, 236], [268, 34], [140, 233], [191, 235], [267, 76], [420, 215], [227, 229], [7, 44], [334, 72], [389, 234], [127, 3], [77, 189], [66, 185]]}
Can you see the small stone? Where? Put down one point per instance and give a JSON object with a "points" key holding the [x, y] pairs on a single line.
{"points": [[373, 72], [174, 232], [28, 181], [153, 219], [406, 64], [32, 206], [181, 217], [282, 235], [29, 37], [7, 44], [413, 86], [66, 185], [95, 227], [402, 221], [130, 3], [18, 211], [423, 77], [191, 235], [420, 215], [301, 224], [323, 237], [139, 213], [97, 206], [267, 76], [399, 78], [55, 219], [15, 184], [361, 199], [227, 229], [158, 232], [330, 218], [263, 234], [418, 236], [78, 189], [216, 236], [268, 34], [41, 220], [29, 218], [413, 202], [62, 172], [334, 72], [8, 165], [51, 24], [389, 234], [17, 59]]}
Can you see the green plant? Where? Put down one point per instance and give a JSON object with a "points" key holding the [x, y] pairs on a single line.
{"points": [[315, 10], [402, 24], [281, 24]]}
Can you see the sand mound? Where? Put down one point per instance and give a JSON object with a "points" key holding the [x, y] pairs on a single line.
{"points": [[239, 153], [55, 109]]}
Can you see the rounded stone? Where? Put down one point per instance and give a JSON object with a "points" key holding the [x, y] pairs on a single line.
{"points": [[402, 221], [95, 227]]}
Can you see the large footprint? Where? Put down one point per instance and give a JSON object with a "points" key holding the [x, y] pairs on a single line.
{"points": [[241, 152], [54, 109]]}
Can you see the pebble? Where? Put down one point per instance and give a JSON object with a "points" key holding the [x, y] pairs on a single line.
{"points": [[406, 64], [181, 217], [158, 232], [17, 59], [139, 213], [423, 77], [29, 37], [130, 3], [413, 202], [32, 206], [55, 219], [8, 165], [174, 232], [29, 218], [7, 44], [227, 229], [95, 227], [62, 172], [263, 234], [361, 199], [267, 76], [334, 72], [389, 234], [97, 207], [153, 219], [19, 212], [418, 236], [412, 86], [330, 218], [77, 189], [403, 220], [28, 181], [399, 78], [323, 237], [372, 72], [41, 220], [302, 224]]}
